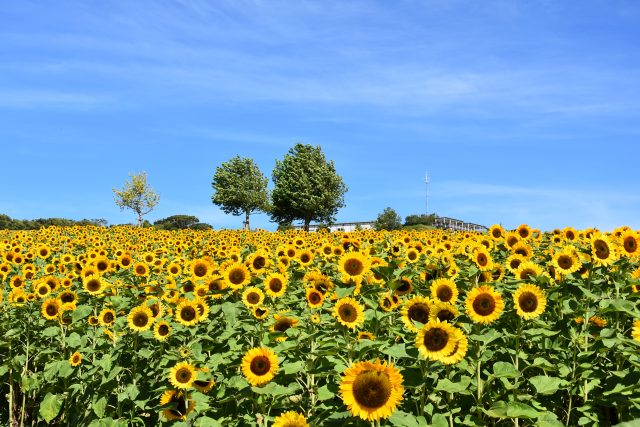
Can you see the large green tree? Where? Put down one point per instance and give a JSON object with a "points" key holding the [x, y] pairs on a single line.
{"points": [[306, 187], [240, 187], [137, 195], [389, 219]]}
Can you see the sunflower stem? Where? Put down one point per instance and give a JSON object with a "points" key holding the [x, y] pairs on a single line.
{"points": [[479, 380], [516, 421]]}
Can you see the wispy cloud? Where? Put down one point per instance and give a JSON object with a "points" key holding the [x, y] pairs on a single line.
{"points": [[27, 99]]}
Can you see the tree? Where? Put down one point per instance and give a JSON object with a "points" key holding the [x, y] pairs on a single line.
{"points": [[176, 222], [388, 220], [137, 196], [423, 219], [240, 187], [306, 187]]}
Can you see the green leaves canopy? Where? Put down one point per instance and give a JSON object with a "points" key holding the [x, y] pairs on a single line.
{"points": [[307, 187], [240, 187], [137, 195], [388, 220]]}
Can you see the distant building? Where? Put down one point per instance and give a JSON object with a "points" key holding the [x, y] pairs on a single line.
{"points": [[341, 226], [458, 225]]}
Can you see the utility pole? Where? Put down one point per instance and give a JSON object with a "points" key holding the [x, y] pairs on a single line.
{"points": [[426, 193]]}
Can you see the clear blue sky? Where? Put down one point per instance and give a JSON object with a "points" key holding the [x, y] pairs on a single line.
{"points": [[521, 111]]}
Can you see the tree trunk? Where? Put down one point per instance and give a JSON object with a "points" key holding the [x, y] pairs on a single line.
{"points": [[140, 219], [307, 221], [246, 221]]}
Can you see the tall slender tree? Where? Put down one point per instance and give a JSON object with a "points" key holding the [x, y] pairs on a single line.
{"points": [[137, 195], [240, 187], [306, 187]]}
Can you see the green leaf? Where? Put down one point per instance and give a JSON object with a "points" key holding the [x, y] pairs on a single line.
{"points": [[521, 410], [451, 387], [403, 419], [74, 340], [81, 312], [439, 420], [292, 368], [548, 419], [497, 410], [343, 292], [546, 385], [51, 331], [324, 393], [398, 351], [207, 422], [99, 406], [50, 406], [505, 370]]}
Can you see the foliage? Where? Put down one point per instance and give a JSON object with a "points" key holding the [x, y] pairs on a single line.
{"points": [[240, 188], [420, 219], [8, 223], [577, 362], [137, 195], [180, 222], [388, 219], [306, 187]]}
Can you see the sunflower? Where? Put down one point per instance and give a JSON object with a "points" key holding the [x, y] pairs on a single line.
{"points": [[180, 405], [51, 308], [459, 350], [314, 297], [482, 259], [404, 287], [162, 330], [353, 266], [496, 232], [200, 269], [75, 359], [530, 301], [567, 261], [305, 257], [444, 290], [275, 284], [182, 375], [371, 390], [125, 261], [290, 419], [259, 365], [260, 312], [635, 332], [93, 284], [349, 312], [416, 309], [412, 255], [524, 231], [282, 323], [174, 269], [107, 317], [315, 318], [602, 251], [187, 312], [364, 335], [237, 275], [528, 270], [93, 320], [630, 241], [141, 269], [140, 318], [484, 305], [436, 339], [443, 311], [252, 296]]}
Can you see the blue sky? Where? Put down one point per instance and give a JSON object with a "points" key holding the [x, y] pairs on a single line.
{"points": [[521, 111]]}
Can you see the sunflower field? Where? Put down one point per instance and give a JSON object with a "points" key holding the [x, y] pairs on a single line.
{"points": [[136, 326]]}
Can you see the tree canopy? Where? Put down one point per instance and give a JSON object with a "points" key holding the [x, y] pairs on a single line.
{"points": [[240, 187], [8, 223], [423, 219], [137, 195], [389, 219], [179, 222], [306, 187]]}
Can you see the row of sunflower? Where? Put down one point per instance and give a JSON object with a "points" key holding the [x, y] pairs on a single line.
{"points": [[125, 326]]}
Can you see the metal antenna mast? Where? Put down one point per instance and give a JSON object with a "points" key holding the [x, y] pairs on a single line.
{"points": [[426, 193]]}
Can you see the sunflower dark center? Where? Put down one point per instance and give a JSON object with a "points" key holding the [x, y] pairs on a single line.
{"points": [[435, 339], [445, 315], [102, 265], [444, 293], [67, 297], [565, 262], [183, 375], [282, 324], [188, 313], [353, 267], [482, 259], [236, 276], [527, 273], [515, 263], [522, 251], [253, 298], [93, 285], [141, 269], [108, 317], [305, 258], [348, 313], [419, 311], [260, 365], [405, 286], [275, 285], [200, 270], [372, 389], [484, 305], [528, 302], [173, 270], [412, 255], [260, 312], [125, 261], [52, 310], [163, 330], [259, 262], [314, 298], [140, 319], [496, 233], [630, 244], [602, 249]]}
